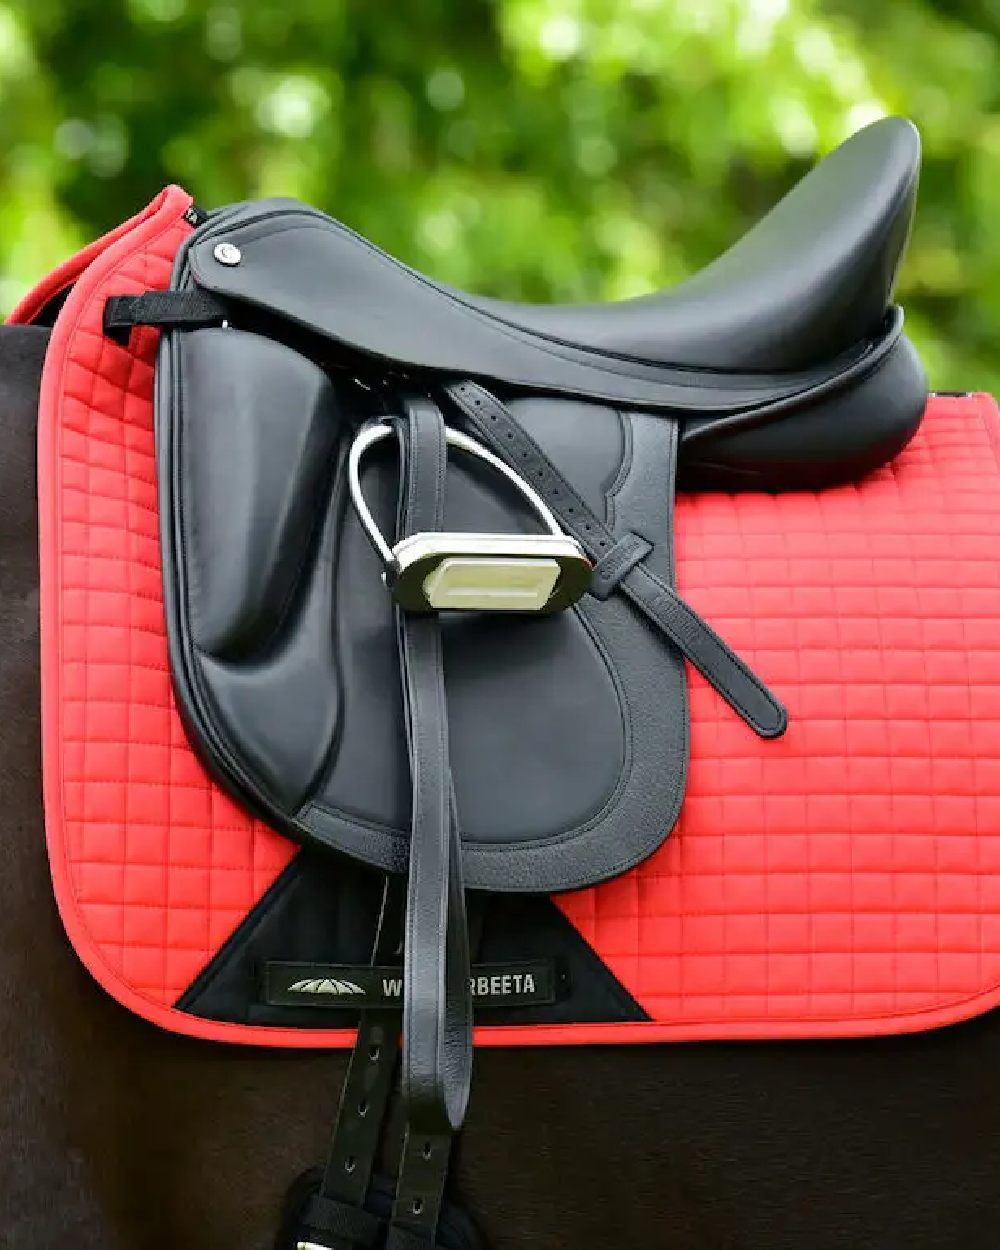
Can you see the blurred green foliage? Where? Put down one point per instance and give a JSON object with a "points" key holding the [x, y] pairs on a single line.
{"points": [[538, 149]]}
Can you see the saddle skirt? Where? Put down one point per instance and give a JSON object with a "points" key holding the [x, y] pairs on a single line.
{"points": [[841, 880]]}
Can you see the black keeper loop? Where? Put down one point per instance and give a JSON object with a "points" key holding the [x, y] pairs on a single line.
{"points": [[617, 563], [184, 310]]}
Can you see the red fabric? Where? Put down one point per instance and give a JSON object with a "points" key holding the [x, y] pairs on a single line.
{"points": [[843, 880], [67, 273], [153, 866]]}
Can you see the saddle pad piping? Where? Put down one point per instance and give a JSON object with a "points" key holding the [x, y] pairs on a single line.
{"points": [[63, 276]]}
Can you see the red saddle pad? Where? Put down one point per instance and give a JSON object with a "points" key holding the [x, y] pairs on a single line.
{"points": [[843, 880]]}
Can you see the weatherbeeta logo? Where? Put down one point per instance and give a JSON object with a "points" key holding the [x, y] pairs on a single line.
{"points": [[499, 985], [324, 985], [353, 986]]}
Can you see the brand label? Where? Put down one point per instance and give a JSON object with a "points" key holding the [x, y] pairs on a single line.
{"points": [[362, 986]]}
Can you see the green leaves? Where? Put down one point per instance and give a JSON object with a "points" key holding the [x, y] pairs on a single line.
{"points": [[538, 149]]}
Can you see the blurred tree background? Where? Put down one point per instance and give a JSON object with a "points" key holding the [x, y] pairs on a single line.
{"points": [[537, 149]]}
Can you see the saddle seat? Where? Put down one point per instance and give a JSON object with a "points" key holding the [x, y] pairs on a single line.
{"points": [[808, 282], [782, 363]]}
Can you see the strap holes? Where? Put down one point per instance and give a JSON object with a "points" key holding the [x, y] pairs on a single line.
{"points": [[428, 1150], [363, 1108], [417, 1205], [374, 1053], [350, 1163]]}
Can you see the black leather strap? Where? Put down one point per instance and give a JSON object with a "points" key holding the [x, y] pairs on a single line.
{"points": [[496, 426], [368, 1085], [187, 310], [437, 1003], [615, 564]]}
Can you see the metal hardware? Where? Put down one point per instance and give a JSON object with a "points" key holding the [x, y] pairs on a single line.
{"points": [[447, 571], [227, 253]]}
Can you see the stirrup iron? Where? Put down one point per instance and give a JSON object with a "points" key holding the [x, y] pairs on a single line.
{"points": [[460, 571]]}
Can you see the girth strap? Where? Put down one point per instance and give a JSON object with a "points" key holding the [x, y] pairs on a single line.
{"points": [[493, 424]]}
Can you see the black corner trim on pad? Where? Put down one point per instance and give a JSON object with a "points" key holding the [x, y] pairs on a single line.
{"points": [[322, 908]]}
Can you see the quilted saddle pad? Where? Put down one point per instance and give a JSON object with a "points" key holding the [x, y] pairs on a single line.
{"points": [[844, 880]]}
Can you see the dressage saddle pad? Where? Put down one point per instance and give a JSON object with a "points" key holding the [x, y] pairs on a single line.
{"points": [[839, 880], [843, 880], [745, 733]]}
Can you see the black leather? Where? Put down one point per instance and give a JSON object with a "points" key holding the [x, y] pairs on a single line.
{"points": [[504, 753], [808, 282], [768, 321], [305, 721], [497, 427], [437, 1001]]}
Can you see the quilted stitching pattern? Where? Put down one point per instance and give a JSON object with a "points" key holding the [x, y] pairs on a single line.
{"points": [[845, 878], [163, 864], [851, 869]]}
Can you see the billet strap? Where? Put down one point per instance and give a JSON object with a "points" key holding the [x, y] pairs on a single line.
{"points": [[351, 1206], [367, 1089], [494, 424]]}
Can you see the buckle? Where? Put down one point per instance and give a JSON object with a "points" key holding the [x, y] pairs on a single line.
{"points": [[457, 571]]}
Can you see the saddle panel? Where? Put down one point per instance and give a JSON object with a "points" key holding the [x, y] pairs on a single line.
{"points": [[842, 436], [283, 637]]}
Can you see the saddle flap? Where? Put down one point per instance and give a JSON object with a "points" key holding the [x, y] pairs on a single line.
{"points": [[257, 452], [283, 638], [252, 462]]}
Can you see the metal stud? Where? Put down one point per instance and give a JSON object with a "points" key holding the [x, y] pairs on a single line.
{"points": [[227, 253]]}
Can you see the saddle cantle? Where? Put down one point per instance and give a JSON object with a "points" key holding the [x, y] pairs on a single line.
{"points": [[509, 754]]}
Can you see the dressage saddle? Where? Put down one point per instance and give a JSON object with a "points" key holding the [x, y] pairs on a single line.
{"points": [[418, 570]]}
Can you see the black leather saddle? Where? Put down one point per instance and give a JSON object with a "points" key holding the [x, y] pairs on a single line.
{"points": [[486, 742]]}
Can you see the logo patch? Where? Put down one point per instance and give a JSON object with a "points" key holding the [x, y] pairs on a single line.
{"points": [[324, 985], [334, 986]]}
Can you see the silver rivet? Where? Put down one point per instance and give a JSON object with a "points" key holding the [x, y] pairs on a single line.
{"points": [[227, 253]]}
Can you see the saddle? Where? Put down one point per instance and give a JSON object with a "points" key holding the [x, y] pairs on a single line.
{"points": [[411, 557]]}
